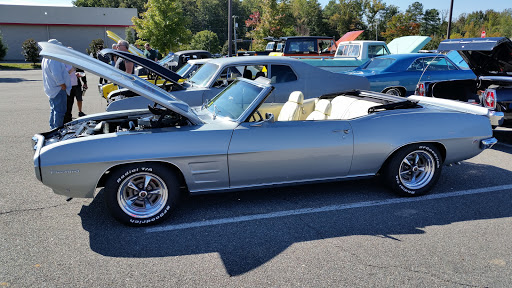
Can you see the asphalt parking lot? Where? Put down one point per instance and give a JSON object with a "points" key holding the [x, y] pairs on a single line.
{"points": [[353, 233]]}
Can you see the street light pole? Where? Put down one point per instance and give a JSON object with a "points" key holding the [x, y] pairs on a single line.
{"points": [[449, 21], [229, 29], [234, 32]]}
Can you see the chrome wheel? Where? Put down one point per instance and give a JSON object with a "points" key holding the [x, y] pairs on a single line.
{"points": [[393, 91], [142, 195], [417, 169]]}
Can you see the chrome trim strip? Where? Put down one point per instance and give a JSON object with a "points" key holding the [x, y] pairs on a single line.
{"points": [[261, 186]]}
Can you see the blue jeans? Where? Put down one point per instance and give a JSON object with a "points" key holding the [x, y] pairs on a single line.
{"points": [[58, 106]]}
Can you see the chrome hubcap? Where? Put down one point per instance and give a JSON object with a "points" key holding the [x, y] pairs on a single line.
{"points": [[417, 169], [142, 195]]}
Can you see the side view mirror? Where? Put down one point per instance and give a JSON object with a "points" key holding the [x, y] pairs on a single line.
{"points": [[269, 117]]}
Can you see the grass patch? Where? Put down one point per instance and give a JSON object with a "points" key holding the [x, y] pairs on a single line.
{"points": [[19, 66]]}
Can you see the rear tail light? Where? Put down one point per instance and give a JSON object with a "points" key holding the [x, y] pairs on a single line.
{"points": [[420, 89], [490, 98]]}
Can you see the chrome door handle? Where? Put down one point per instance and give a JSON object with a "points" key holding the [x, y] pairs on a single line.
{"points": [[346, 131]]}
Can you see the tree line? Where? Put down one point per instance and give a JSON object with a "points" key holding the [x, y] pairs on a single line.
{"points": [[171, 25]]}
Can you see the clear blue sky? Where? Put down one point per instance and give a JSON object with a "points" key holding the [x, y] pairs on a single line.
{"points": [[459, 6]]}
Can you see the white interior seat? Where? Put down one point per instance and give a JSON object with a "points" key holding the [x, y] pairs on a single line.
{"points": [[359, 108], [322, 110], [292, 108], [340, 106]]}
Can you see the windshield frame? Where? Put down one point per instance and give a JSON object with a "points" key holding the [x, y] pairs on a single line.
{"points": [[204, 75], [265, 91]]}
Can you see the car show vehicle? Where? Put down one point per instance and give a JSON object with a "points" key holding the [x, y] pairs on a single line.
{"points": [[131, 48], [155, 73], [398, 74], [491, 61], [352, 54], [227, 144], [180, 58], [285, 74]]}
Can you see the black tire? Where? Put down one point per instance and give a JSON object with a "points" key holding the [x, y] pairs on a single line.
{"points": [[413, 170], [132, 190], [394, 91]]}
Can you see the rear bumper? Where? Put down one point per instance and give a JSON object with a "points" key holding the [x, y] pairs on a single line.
{"points": [[496, 118], [488, 143]]}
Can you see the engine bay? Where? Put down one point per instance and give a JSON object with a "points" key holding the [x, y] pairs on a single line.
{"points": [[158, 118]]}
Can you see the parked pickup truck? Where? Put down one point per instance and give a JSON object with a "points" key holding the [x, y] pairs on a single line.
{"points": [[352, 54], [491, 61]]}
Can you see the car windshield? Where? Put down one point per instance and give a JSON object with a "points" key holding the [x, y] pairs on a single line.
{"points": [[204, 75], [378, 64], [183, 69], [234, 100]]}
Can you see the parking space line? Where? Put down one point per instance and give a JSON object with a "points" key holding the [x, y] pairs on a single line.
{"points": [[326, 209]]}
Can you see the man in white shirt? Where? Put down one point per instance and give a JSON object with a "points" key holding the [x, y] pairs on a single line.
{"points": [[57, 86]]}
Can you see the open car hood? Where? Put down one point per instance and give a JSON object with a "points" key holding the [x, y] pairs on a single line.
{"points": [[132, 82], [408, 44], [485, 56], [148, 64], [349, 36], [132, 48]]}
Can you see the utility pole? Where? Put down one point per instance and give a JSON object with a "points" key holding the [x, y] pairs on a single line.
{"points": [[229, 29], [234, 32], [449, 21]]}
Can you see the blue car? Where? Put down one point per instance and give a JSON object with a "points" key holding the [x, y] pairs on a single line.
{"points": [[398, 74]]}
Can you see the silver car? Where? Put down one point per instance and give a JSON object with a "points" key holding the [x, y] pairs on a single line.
{"points": [[285, 74], [143, 157]]}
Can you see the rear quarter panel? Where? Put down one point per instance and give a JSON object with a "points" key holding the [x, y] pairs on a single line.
{"points": [[378, 136]]}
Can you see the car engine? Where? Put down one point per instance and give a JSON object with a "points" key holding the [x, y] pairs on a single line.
{"points": [[159, 118]]}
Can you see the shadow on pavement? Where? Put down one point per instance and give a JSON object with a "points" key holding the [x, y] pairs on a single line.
{"points": [[245, 246], [15, 80]]}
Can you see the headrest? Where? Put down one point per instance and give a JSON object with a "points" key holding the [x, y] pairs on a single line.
{"points": [[323, 106], [296, 97]]}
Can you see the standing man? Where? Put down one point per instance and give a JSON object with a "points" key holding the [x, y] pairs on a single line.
{"points": [[57, 86], [150, 53], [122, 64]]}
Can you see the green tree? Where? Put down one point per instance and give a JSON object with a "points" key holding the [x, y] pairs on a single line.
{"points": [[372, 9], [269, 23], [205, 40], [307, 17], [138, 4], [163, 25], [401, 24], [128, 31], [506, 23], [346, 16], [3, 47], [30, 51], [415, 10], [431, 23], [94, 47]]}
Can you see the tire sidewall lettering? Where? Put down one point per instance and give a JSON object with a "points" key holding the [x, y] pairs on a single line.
{"points": [[132, 171], [152, 219]]}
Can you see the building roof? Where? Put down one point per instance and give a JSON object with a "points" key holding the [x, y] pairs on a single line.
{"points": [[73, 16]]}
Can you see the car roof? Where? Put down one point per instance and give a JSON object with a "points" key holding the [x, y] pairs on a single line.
{"points": [[254, 60]]}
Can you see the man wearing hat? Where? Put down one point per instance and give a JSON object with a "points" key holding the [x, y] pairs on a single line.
{"points": [[57, 86]]}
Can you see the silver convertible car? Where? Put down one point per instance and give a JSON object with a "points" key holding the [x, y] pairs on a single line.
{"points": [[233, 142]]}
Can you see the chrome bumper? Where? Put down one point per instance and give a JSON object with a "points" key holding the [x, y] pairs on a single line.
{"points": [[488, 143], [496, 118], [37, 144]]}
